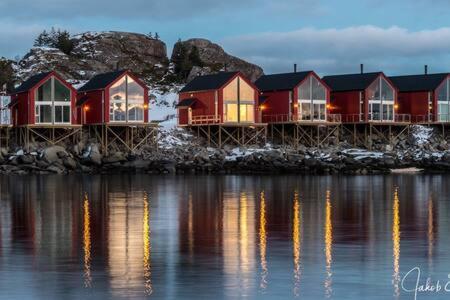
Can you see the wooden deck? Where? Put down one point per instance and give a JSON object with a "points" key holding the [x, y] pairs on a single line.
{"points": [[227, 124], [49, 126]]}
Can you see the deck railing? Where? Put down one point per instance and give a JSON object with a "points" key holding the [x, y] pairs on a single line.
{"points": [[286, 118], [352, 118], [360, 118], [403, 118], [205, 119]]}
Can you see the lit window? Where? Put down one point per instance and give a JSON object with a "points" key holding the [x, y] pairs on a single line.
{"points": [[126, 101]]}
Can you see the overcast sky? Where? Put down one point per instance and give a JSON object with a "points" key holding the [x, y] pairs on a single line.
{"points": [[328, 36]]}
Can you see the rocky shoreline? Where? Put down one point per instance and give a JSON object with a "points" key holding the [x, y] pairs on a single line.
{"points": [[191, 158], [181, 153]]}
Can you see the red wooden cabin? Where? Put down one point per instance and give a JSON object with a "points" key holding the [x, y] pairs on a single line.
{"points": [[364, 97], [44, 99], [294, 97], [117, 97], [425, 97], [222, 98]]}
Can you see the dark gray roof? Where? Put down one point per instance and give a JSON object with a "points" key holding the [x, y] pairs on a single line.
{"points": [[82, 100], [30, 82], [187, 102], [208, 82], [416, 83], [350, 82], [280, 82], [101, 81]]}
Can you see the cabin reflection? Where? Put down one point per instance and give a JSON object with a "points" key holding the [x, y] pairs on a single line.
{"points": [[247, 235], [296, 239]]}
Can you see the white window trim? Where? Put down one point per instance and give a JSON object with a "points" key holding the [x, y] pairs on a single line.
{"points": [[238, 102], [382, 102], [311, 101], [447, 102], [126, 103], [52, 103]]}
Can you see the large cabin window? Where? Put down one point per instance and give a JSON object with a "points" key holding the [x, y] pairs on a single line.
{"points": [[126, 103], [52, 103], [312, 100], [381, 101], [239, 101], [444, 102]]}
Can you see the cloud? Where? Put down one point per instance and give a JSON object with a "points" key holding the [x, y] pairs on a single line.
{"points": [[334, 50]]}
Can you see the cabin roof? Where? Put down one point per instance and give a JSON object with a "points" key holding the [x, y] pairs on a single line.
{"points": [[208, 82], [82, 100], [280, 82], [350, 82], [417, 83], [101, 81], [30, 82], [187, 102]]}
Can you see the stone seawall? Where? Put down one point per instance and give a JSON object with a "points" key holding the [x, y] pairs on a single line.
{"points": [[194, 159], [179, 152]]}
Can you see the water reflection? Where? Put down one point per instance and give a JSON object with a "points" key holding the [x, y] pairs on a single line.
{"points": [[220, 237], [87, 242], [191, 227], [328, 246], [296, 237], [263, 241], [396, 242], [129, 242], [147, 247], [430, 232]]}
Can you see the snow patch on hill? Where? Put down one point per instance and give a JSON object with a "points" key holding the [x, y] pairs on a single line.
{"points": [[163, 103]]}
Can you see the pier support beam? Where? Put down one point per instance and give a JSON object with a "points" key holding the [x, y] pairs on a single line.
{"points": [[219, 135], [127, 138], [50, 134]]}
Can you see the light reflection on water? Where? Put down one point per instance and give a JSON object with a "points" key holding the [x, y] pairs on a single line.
{"points": [[224, 237]]}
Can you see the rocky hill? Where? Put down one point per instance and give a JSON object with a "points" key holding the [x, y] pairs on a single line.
{"points": [[97, 52], [212, 58]]}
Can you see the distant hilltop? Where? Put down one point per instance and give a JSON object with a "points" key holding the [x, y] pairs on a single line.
{"points": [[79, 57]]}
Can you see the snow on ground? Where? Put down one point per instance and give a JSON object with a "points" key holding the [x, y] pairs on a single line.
{"points": [[240, 152], [173, 138], [168, 125], [422, 134], [162, 103], [362, 154]]}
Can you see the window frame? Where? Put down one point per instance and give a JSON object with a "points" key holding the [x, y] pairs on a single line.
{"points": [[52, 103], [382, 103], [239, 103], [128, 104], [441, 117], [312, 102]]}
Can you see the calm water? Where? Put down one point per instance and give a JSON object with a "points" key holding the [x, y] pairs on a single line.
{"points": [[133, 236]]}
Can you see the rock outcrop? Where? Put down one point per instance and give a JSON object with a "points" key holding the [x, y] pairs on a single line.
{"points": [[7, 75], [95, 53], [214, 58], [98, 52]]}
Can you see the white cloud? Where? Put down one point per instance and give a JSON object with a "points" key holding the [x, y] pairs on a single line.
{"points": [[333, 50]]}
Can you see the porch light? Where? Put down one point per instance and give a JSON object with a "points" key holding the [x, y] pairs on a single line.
{"points": [[396, 106], [86, 108], [329, 106], [262, 107], [295, 105], [146, 106], [430, 107]]}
